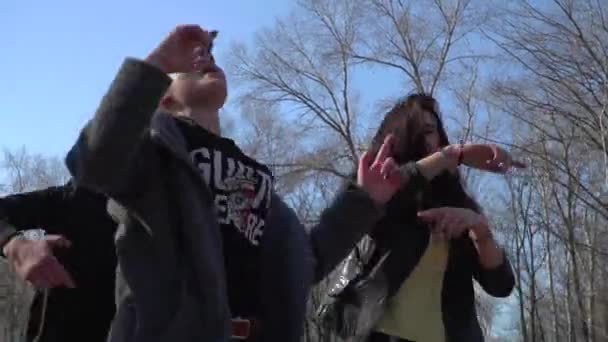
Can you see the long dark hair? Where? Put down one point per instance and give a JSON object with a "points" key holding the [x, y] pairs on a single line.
{"points": [[405, 120]]}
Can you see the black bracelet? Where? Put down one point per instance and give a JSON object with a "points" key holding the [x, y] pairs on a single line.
{"points": [[415, 178]]}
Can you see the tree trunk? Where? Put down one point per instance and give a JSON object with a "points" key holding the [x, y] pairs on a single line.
{"points": [[571, 326], [520, 292], [554, 307], [532, 285]]}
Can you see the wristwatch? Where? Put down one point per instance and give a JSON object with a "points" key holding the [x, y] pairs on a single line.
{"points": [[28, 234], [32, 234]]}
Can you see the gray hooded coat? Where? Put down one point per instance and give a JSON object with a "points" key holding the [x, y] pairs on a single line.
{"points": [[171, 278]]}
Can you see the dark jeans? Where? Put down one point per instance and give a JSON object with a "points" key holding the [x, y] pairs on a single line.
{"points": [[380, 337]]}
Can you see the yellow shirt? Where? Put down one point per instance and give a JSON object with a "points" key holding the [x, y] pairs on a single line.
{"points": [[414, 313]]}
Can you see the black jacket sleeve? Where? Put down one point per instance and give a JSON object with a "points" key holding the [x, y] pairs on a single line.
{"points": [[341, 226], [111, 150], [352, 215], [286, 274], [497, 282], [35, 209], [293, 260]]}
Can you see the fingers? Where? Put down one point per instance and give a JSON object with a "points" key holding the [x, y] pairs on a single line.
{"points": [[439, 233], [194, 34], [444, 226], [39, 280], [382, 160], [200, 52], [503, 167], [38, 275], [201, 60], [497, 167], [447, 228], [495, 151], [58, 241], [363, 167], [385, 149], [59, 275], [49, 273], [40, 267], [390, 172], [440, 230], [389, 168], [200, 40], [456, 227], [365, 162], [502, 161], [430, 215]]}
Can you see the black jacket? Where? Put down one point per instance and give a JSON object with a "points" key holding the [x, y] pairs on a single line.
{"points": [[171, 279], [408, 242], [83, 313], [458, 300]]}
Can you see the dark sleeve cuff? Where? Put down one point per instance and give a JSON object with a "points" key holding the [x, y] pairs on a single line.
{"points": [[7, 232], [353, 189], [342, 225], [416, 180], [498, 281]]}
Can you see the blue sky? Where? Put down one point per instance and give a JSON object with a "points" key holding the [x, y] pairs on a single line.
{"points": [[59, 57]]}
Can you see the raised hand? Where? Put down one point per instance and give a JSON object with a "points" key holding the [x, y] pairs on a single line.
{"points": [[379, 177], [184, 50], [449, 223], [485, 157], [34, 261], [501, 161]]}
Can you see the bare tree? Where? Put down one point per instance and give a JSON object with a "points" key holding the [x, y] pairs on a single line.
{"points": [[556, 55], [304, 66], [426, 41], [562, 52]]}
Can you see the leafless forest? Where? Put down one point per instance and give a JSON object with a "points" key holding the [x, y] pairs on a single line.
{"points": [[528, 75]]}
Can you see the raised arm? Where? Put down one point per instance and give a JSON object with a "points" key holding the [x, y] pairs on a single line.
{"points": [[357, 210], [111, 153], [111, 149]]}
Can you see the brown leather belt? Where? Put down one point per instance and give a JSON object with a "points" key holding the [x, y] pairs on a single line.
{"points": [[243, 329]]}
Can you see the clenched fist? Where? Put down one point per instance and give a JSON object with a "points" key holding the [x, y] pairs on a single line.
{"points": [[34, 261], [183, 50]]}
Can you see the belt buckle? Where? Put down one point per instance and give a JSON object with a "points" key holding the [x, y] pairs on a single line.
{"points": [[241, 328]]}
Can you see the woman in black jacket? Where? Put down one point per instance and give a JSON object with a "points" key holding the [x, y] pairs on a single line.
{"points": [[438, 238]]}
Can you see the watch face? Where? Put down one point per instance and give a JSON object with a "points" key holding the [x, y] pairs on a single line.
{"points": [[34, 234]]}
